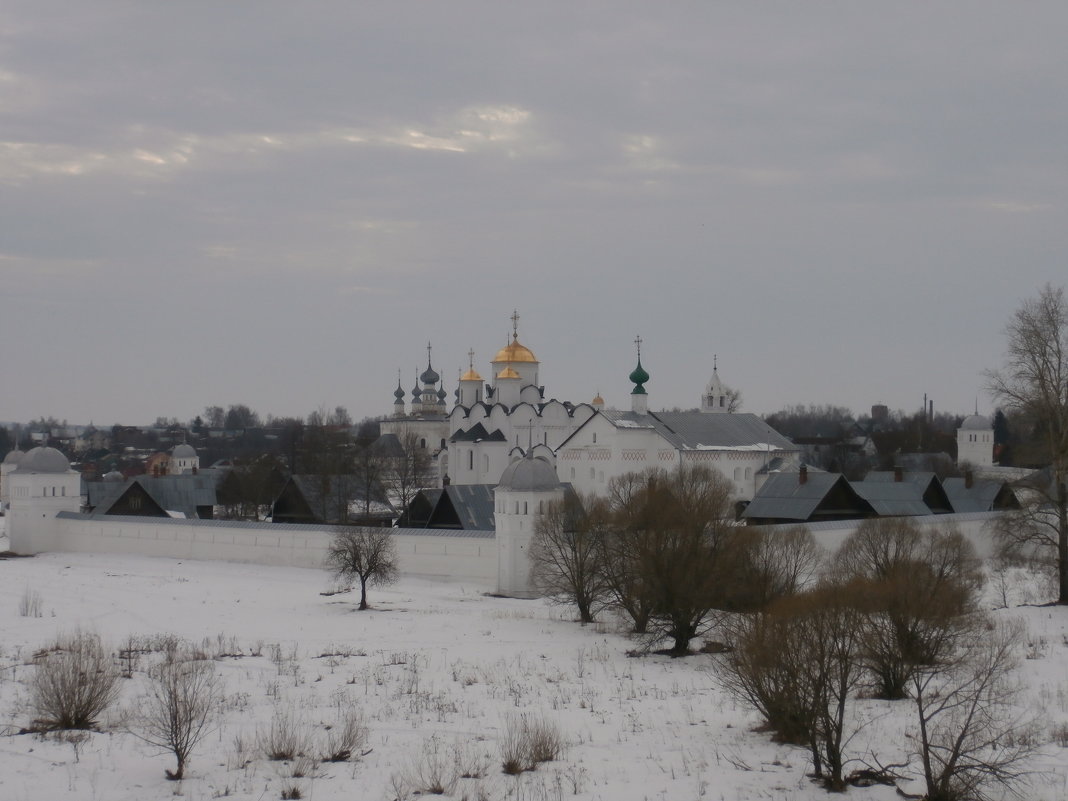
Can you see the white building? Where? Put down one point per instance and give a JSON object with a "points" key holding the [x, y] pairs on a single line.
{"points": [[497, 421], [975, 441], [41, 486]]}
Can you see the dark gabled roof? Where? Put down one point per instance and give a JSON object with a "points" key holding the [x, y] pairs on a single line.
{"points": [[821, 496], [932, 492], [893, 499], [326, 499], [476, 433], [182, 494], [461, 506], [985, 495]]}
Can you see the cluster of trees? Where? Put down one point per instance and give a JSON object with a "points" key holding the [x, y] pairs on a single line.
{"points": [[663, 549], [892, 615]]}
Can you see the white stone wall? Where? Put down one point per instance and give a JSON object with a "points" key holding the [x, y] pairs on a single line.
{"points": [[976, 527], [462, 558]]}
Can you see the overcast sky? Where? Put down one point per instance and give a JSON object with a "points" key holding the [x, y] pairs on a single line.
{"points": [[280, 203]]}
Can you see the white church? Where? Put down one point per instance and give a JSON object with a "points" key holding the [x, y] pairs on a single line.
{"points": [[496, 421]]}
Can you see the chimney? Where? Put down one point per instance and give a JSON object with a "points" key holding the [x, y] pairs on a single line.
{"points": [[802, 475], [969, 479], [899, 474]]}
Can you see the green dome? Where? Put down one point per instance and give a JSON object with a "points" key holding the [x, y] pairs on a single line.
{"points": [[639, 377]]}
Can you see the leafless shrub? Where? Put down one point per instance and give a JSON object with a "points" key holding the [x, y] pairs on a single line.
{"points": [[345, 739], [285, 738], [178, 712], [797, 664], [434, 773], [528, 741], [30, 603], [75, 682], [291, 792]]}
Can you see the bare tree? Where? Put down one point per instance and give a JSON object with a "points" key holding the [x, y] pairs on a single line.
{"points": [[917, 590], [407, 469], [565, 554], [971, 734], [367, 554], [180, 707], [1034, 380], [779, 563], [673, 533]]}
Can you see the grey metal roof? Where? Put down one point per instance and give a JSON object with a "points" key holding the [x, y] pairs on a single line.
{"points": [[702, 431], [529, 474], [893, 499], [784, 497], [173, 493], [697, 430], [979, 497], [473, 504]]}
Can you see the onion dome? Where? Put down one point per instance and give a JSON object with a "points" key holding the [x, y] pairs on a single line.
{"points": [[398, 393], [597, 401], [43, 460], [442, 394], [639, 377], [529, 474], [430, 375], [471, 375], [417, 392], [515, 353], [508, 372]]}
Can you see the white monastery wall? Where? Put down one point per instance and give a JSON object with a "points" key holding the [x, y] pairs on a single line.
{"points": [[977, 528], [471, 557]]}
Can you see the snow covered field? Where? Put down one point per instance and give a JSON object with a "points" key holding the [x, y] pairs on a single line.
{"points": [[438, 670]]}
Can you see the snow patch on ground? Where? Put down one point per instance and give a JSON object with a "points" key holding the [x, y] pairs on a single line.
{"points": [[434, 665]]}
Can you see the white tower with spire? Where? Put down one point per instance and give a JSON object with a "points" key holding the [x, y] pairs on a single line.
{"points": [[716, 399]]}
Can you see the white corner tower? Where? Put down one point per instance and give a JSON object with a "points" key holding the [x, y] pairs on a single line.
{"points": [[41, 486], [975, 441], [526, 488]]}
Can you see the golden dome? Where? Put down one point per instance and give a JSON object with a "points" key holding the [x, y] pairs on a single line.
{"points": [[508, 372], [471, 375], [515, 353], [598, 400]]}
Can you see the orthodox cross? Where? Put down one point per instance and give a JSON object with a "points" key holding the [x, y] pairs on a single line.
{"points": [[638, 342], [515, 324]]}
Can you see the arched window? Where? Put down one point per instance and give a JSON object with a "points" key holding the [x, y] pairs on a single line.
{"points": [[572, 473], [422, 443], [485, 463], [524, 507], [748, 473], [737, 474]]}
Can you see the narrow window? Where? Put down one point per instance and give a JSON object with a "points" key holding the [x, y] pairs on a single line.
{"points": [[594, 437], [524, 507], [471, 459]]}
